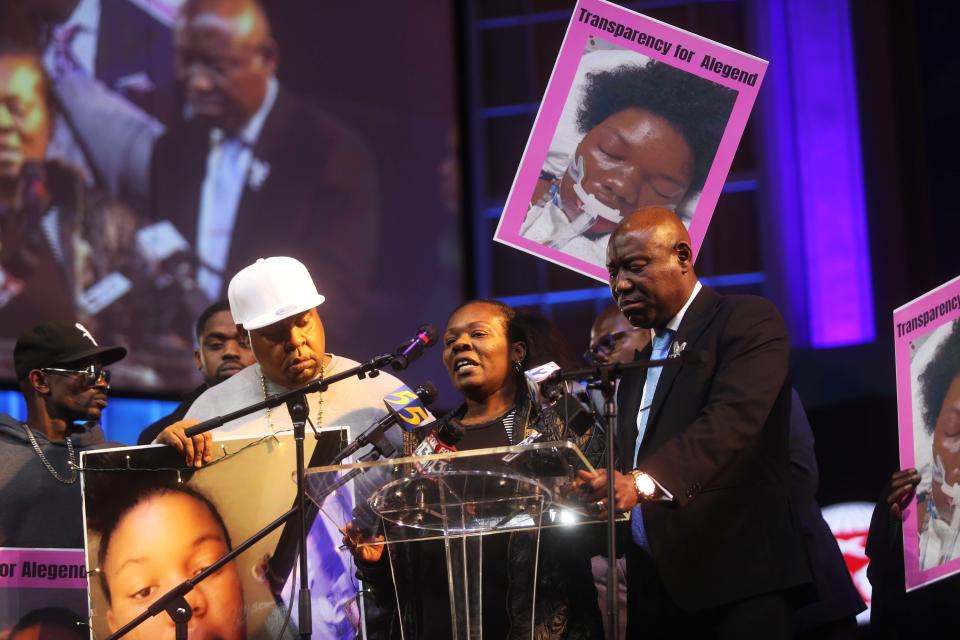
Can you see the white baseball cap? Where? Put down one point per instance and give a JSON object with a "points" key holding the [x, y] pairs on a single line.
{"points": [[270, 290]]}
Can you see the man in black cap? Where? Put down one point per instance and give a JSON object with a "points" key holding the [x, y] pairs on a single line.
{"points": [[60, 368]]}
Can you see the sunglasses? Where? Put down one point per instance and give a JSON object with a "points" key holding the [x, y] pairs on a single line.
{"points": [[91, 375], [606, 343]]}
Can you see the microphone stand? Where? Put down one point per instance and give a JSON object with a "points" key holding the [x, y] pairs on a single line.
{"points": [[363, 370], [173, 601], [605, 378], [299, 413]]}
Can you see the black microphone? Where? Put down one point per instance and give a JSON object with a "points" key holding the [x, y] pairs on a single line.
{"points": [[577, 417], [172, 263], [547, 389], [407, 353], [442, 439]]}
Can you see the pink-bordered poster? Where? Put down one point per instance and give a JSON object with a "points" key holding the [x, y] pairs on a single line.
{"points": [[927, 351], [43, 593], [636, 113]]}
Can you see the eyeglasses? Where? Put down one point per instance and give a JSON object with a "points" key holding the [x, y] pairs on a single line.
{"points": [[607, 343], [91, 375]]}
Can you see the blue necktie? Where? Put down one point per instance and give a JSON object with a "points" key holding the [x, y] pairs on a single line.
{"points": [[661, 345]]}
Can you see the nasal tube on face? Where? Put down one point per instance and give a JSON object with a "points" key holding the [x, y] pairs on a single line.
{"points": [[590, 208], [952, 491]]}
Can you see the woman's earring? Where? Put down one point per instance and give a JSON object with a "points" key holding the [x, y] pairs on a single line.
{"points": [[516, 364]]}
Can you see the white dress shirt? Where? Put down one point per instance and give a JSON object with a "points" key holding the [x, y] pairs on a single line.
{"points": [[673, 325]]}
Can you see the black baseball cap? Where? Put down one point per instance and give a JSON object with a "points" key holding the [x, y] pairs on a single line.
{"points": [[54, 343]]}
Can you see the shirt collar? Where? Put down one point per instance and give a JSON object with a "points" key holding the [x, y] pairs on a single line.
{"points": [[86, 16], [675, 321], [251, 131]]}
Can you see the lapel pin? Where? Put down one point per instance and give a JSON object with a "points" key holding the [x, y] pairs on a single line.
{"points": [[259, 172]]}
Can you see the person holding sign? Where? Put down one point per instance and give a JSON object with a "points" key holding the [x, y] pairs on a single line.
{"points": [[650, 135], [937, 513]]}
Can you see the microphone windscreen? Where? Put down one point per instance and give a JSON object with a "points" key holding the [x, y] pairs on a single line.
{"points": [[577, 418], [450, 432], [427, 392], [538, 382], [431, 333]]}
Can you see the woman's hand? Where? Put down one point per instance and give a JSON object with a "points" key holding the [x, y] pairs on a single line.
{"points": [[367, 553]]}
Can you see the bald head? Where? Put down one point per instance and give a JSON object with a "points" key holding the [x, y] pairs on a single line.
{"points": [[614, 339], [244, 19], [610, 319], [225, 58], [650, 262]]}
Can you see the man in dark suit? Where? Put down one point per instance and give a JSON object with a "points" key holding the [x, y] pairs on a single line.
{"points": [[833, 615], [254, 171], [703, 449]]}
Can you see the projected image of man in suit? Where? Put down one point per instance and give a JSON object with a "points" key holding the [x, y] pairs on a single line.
{"points": [[252, 170]]}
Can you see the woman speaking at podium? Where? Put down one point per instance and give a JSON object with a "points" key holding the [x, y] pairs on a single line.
{"points": [[486, 349]]}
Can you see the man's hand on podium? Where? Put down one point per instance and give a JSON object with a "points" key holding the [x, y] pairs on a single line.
{"points": [[593, 488]]}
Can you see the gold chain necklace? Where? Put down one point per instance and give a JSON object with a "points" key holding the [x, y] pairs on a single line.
{"points": [[317, 424]]}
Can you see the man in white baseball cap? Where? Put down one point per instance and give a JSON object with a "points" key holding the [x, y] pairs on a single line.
{"points": [[276, 301]]}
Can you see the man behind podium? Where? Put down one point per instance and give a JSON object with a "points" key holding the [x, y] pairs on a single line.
{"points": [[703, 447]]}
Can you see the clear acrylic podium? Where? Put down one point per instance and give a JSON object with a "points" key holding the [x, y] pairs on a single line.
{"points": [[461, 498]]}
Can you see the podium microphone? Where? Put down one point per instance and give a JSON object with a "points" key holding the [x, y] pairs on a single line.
{"points": [[407, 353], [406, 408], [547, 389], [440, 440]]}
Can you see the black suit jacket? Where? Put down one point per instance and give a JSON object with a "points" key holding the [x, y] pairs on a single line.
{"points": [[131, 44], [716, 439], [837, 597], [150, 434], [318, 202]]}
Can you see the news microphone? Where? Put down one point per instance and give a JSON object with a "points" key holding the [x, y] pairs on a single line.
{"points": [[440, 440], [547, 390], [544, 384], [404, 407], [407, 353], [172, 262]]}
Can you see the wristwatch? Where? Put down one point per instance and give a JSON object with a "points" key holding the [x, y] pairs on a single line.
{"points": [[644, 484]]}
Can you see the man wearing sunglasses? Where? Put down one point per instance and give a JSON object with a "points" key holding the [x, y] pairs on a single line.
{"points": [[61, 372]]}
